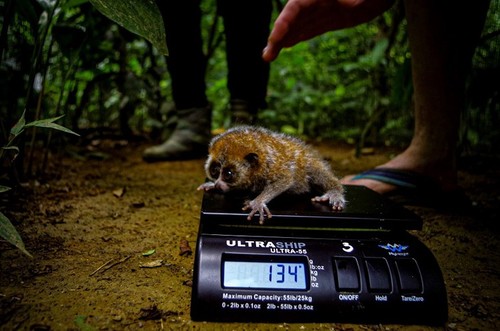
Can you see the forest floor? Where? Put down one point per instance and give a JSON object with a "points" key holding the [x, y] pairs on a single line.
{"points": [[99, 210]]}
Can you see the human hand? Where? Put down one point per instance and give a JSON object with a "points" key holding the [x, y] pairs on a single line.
{"points": [[304, 19]]}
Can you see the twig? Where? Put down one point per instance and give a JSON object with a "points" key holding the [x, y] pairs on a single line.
{"points": [[118, 262], [102, 266], [109, 265]]}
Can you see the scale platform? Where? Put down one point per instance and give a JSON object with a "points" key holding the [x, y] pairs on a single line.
{"points": [[310, 264]]}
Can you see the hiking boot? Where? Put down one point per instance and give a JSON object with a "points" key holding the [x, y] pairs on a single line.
{"points": [[241, 114], [189, 140]]}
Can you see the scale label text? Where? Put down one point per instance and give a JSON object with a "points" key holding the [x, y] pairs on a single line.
{"points": [[265, 244]]}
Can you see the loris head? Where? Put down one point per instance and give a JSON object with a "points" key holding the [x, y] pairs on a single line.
{"points": [[232, 164]]}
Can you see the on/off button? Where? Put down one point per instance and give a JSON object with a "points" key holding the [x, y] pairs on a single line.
{"points": [[347, 277]]}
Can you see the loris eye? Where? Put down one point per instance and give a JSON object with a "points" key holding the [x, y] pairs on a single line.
{"points": [[214, 169], [227, 175]]}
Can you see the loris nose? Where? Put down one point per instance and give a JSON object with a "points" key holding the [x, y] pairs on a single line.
{"points": [[221, 185]]}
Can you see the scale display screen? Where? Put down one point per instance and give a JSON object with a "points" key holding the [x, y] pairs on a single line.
{"points": [[280, 275]]}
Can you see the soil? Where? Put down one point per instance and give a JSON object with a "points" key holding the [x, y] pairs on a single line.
{"points": [[93, 222]]}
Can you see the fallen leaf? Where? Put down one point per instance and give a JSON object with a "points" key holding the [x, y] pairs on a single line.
{"points": [[150, 252], [367, 151], [150, 313], [185, 248], [152, 264], [119, 192]]}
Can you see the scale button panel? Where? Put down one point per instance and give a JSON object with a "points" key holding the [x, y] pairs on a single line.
{"points": [[410, 280], [382, 280], [378, 275], [347, 274]]}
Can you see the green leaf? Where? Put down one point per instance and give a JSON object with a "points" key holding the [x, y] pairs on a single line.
{"points": [[52, 119], [4, 188], [19, 126], [46, 4], [377, 54], [9, 233], [141, 17], [148, 253], [81, 324], [73, 3], [48, 123], [11, 148]]}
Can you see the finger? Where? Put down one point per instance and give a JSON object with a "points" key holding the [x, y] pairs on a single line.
{"points": [[274, 43], [278, 36], [268, 213], [252, 213]]}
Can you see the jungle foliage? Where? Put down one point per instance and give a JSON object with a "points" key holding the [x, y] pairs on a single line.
{"points": [[64, 57]]}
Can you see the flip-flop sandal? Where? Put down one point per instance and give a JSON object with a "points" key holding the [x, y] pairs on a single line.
{"points": [[415, 189]]}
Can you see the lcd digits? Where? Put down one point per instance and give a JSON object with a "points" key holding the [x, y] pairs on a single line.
{"points": [[265, 275]]}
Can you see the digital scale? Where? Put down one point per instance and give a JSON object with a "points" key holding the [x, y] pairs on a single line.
{"points": [[310, 264]]}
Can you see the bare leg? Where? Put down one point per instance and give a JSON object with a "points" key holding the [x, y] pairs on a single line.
{"points": [[442, 37]]}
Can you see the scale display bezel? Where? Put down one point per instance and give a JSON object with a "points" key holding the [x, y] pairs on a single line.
{"points": [[276, 280]]}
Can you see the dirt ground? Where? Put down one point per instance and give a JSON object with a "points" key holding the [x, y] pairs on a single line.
{"points": [[98, 214]]}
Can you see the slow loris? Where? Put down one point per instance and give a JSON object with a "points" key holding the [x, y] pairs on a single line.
{"points": [[267, 163]]}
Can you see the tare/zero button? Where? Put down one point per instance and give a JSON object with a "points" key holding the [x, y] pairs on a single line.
{"points": [[410, 279]]}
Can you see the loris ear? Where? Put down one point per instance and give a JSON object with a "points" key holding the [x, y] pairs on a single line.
{"points": [[252, 158]]}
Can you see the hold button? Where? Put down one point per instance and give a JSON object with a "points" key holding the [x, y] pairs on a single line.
{"points": [[379, 278], [347, 274], [410, 280]]}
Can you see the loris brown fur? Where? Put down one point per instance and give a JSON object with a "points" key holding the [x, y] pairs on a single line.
{"points": [[268, 163]]}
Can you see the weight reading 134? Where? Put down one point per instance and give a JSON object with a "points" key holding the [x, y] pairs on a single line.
{"points": [[264, 275]]}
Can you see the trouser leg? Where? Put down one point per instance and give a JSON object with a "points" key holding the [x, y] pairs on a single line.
{"points": [[246, 29], [187, 65]]}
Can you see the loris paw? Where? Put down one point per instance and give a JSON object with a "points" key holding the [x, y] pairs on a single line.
{"points": [[206, 186], [257, 207], [334, 198]]}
